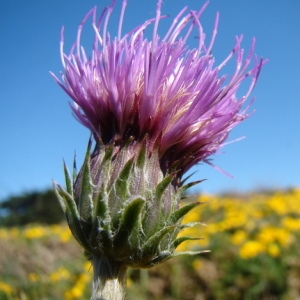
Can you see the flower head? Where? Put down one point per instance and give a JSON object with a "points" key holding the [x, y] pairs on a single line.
{"points": [[155, 108], [132, 87]]}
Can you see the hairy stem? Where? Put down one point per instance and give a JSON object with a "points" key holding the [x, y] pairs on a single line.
{"points": [[109, 281]]}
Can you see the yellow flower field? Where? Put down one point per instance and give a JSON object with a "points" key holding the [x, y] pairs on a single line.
{"points": [[254, 241]]}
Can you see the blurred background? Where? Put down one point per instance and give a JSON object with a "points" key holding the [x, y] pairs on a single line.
{"points": [[38, 129], [253, 218]]}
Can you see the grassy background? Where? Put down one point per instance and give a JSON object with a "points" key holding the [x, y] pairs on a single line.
{"points": [[254, 241]]}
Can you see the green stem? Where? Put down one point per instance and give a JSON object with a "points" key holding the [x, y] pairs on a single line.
{"points": [[144, 282], [109, 281]]}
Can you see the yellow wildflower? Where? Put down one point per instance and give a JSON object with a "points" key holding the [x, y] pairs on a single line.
{"points": [[271, 234], [14, 232], [239, 237], [87, 266], [33, 277], [60, 274], [251, 249], [65, 235], [4, 234], [6, 288], [75, 293], [278, 204], [273, 250], [63, 232], [34, 232], [283, 237], [197, 264], [291, 224], [84, 278]]}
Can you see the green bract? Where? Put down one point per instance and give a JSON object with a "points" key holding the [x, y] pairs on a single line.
{"points": [[122, 207]]}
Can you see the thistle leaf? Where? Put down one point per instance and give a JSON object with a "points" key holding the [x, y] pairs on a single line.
{"points": [[73, 218], [74, 170], [85, 201], [181, 212], [121, 183], [105, 242], [188, 185], [130, 222], [140, 162], [60, 199], [188, 177], [189, 253], [105, 166], [161, 187], [182, 239], [162, 256], [108, 158], [69, 185], [101, 219], [191, 224], [150, 248], [101, 206]]}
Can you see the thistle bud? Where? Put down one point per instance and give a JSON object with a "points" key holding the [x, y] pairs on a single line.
{"points": [[123, 206], [123, 209]]}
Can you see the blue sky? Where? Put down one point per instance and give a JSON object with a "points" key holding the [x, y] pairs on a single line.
{"points": [[37, 129]]}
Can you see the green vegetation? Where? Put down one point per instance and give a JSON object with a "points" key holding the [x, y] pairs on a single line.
{"points": [[254, 242], [33, 207]]}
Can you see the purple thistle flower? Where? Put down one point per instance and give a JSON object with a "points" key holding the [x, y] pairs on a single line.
{"points": [[133, 87], [155, 108]]}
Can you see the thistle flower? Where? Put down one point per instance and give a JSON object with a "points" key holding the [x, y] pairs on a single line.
{"points": [[155, 109]]}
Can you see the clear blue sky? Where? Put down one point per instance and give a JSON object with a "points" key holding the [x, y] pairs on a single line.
{"points": [[38, 130]]}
